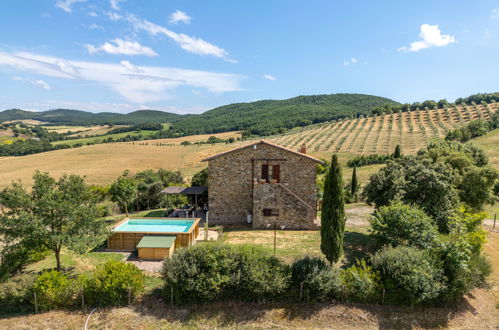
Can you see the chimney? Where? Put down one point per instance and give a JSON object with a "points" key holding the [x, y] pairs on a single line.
{"points": [[303, 149]]}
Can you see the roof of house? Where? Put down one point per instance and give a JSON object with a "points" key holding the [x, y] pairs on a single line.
{"points": [[159, 241], [184, 190], [266, 143]]}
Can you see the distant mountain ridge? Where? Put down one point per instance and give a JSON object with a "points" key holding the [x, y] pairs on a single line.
{"points": [[79, 117], [260, 117]]}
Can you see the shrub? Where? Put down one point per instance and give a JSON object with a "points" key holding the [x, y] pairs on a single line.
{"points": [[313, 279], [114, 283], [16, 257], [209, 272], [401, 224], [360, 283], [409, 276], [54, 290], [16, 295], [259, 275]]}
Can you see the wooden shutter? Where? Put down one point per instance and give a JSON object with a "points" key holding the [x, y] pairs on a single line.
{"points": [[267, 212], [276, 173], [265, 172]]}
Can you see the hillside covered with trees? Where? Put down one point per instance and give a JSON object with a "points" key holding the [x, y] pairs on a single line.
{"points": [[78, 117], [257, 118], [268, 117]]}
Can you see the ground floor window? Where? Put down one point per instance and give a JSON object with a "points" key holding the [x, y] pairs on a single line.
{"points": [[270, 212]]}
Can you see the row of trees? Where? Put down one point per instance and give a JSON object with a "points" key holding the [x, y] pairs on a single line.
{"points": [[474, 129], [441, 104]]}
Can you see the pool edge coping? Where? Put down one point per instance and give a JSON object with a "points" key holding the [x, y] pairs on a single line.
{"points": [[194, 224]]}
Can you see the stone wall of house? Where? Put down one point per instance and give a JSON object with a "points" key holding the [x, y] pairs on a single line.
{"points": [[232, 194], [294, 213]]}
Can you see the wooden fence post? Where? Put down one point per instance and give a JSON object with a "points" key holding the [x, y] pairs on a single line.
{"points": [[36, 303], [171, 296]]}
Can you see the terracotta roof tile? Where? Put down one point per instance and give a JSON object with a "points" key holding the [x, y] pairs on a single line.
{"points": [[266, 143]]}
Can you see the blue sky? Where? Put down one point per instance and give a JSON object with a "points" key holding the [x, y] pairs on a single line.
{"points": [[189, 56]]}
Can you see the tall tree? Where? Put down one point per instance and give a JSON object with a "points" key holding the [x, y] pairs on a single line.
{"points": [[398, 151], [333, 213], [55, 214], [123, 191], [355, 182]]}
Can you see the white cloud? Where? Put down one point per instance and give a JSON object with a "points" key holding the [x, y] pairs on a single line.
{"points": [[269, 77], [94, 26], [431, 37], [66, 4], [121, 47], [93, 14], [38, 82], [114, 16], [351, 61], [495, 13], [130, 66], [188, 43], [179, 16], [115, 4], [146, 84]]}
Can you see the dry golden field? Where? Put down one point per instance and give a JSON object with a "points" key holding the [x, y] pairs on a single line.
{"points": [[103, 163], [87, 130], [412, 130]]}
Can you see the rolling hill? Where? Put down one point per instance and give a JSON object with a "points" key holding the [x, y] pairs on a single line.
{"points": [[78, 117], [271, 116], [380, 134], [261, 117]]}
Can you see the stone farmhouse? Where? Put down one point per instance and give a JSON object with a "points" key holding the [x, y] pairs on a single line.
{"points": [[265, 184]]}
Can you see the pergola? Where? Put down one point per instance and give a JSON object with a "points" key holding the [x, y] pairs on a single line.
{"points": [[185, 191]]}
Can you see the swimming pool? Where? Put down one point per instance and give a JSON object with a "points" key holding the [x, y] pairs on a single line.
{"points": [[155, 226], [127, 234]]}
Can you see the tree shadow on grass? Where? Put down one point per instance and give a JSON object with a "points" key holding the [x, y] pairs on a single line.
{"points": [[357, 246], [303, 314]]}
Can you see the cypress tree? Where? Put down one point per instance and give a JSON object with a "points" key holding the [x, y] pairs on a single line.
{"points": [[354, 182], [398, 151], [333, 213]]}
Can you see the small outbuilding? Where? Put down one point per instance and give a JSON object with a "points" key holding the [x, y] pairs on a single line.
{"points": [[156, 247]]}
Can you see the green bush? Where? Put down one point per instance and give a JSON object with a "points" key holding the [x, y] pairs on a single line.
{"points": [[360, 283], [16, 257], [401, 224], [209, 272], [410, 276], [16, 295], [259, 275], [313, 279], [54, 290], [113, 284]]}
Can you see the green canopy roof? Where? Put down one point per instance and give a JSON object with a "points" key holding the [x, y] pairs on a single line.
{"points": [[159, 241]]}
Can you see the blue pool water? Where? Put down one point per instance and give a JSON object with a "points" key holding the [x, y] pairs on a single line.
{"points": [[155, 226]]}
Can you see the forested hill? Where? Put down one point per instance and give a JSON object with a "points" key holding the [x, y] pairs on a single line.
{"points": [[271, 116], [77, 117], [260, 117]]}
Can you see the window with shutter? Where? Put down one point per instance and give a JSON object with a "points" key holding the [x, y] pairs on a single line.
{"points": [[276, 173], [265, 172]]}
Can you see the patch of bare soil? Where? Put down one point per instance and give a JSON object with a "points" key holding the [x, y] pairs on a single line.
{"points": [[359, 215], [212, 235]]}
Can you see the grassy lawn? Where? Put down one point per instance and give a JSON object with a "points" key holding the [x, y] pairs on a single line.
{"points": [[77, 263], [292, 244]]}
